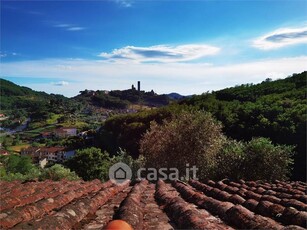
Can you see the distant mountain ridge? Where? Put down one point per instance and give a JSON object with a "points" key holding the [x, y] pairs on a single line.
{"points": [[9, 88], [175, 96], [14, 96], [122, 99]]}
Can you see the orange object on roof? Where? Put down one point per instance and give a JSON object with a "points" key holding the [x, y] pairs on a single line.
{"points": [[118, 225]]}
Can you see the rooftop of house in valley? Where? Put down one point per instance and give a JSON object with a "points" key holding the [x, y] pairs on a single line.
{"points": [[177, 205]]}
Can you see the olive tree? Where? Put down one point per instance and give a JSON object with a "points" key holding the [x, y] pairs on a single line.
{"points": [[192, 138], [266, 161], [258, 159]]}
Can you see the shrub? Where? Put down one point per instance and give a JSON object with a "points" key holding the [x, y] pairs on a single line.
{"points": [[192, 138], [257, 159], [2, 172], [32, 174], [134, 164], [14, 176], [90, 164], [17, 164], [230, 160], [58, 172], [265, 161], [195, 138]]}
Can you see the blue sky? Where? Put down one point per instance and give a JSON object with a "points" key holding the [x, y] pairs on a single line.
{"points": [[183, 46]]}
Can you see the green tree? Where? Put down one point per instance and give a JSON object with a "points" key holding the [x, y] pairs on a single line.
{"points": [[7, 142], [192, 138], [265, 161], [257, 159], [16, 140], [126, 131], [134, 164], [15, 167], [230, 160], [19, 164], [90, 164], [272, 109], [58, 172]]}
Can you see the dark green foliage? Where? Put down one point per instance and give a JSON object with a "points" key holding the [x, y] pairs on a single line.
{"points": [[7, 141], [257, 159], [41, 114], [125, 131], [75, 142], [22, 102], [17, 164], [129, 95], [140, 97], [14, 96], [134, 164], [192, 138], [109, 102], [230, 161], [273, 109], [15, 167], [121, 99], [10, 89], [90, 164], [58, 172], [264, 161], [195, 138]]}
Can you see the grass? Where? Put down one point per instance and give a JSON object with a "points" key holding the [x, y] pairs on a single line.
{"points": [[36, 125], [2, 138], [76, 124], [33, 133], [41, 129], [139, 107], [18, 148], [54, 118]]}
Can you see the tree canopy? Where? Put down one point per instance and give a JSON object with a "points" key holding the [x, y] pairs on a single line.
{"points": [[192, 138], [272, 109]]}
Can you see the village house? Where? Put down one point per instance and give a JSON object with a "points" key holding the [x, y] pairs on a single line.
{"points": [[45, 154], [33, 152], [55, 154]]}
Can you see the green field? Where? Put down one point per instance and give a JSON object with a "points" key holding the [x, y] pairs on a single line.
{"points": [[54, 119], [17, 148]]}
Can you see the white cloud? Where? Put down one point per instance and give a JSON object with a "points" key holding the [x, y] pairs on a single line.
{"points": [[8, 54], [76, 28], [60, 83], [281, 37], [62, 25], [65, 67], [161, 53], [69, 27], [124, 3], [184, 78]]}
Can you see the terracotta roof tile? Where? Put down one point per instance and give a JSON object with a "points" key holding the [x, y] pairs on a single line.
{"points": [[211, 205]]}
